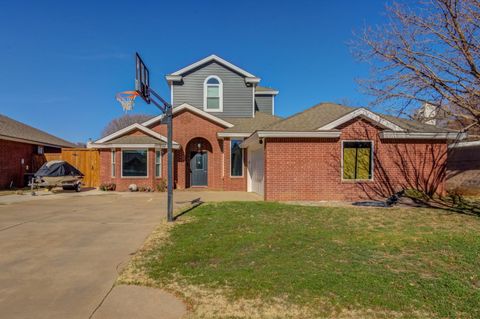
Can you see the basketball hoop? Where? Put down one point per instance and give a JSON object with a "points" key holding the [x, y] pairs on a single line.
{"points": [[127, 99]]}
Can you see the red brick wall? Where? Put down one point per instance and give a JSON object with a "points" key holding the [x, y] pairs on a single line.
{"points": [[11, 168], [122, 183], [188, 130], [188, 127], [310, 169]]}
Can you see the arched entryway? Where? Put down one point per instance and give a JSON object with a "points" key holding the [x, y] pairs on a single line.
{"points": [[197, 153]]}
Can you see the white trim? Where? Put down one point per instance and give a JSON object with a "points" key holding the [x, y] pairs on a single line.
{"points": [[372, 154], [253, 101], [209, 58], [364, 113], [332, 134], [223, 160], [243, 159], [21, 140], [161, 158], [121, 163], [227, 134], [422, 135], [273, 105], [131, 128], [113, 163], [173, 78], [192, 109], [253, 80], [464, 144], [312, 134], [249, 175], [220, 94], [171, 95], [270, 92], [131, 146]]}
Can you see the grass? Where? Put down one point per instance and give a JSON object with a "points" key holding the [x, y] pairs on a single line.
{"points": [[245, 260]]}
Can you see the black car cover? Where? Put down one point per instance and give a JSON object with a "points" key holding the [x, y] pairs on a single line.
{"points": [[57, 168]]}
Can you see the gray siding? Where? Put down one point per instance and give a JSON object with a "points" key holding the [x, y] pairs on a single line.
{"points": [[264, 103], [237, 96]]}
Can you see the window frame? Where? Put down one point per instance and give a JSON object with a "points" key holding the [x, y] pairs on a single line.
{"points": [[159, 175], [113, 163], [372, 156], [121, 162], [243, 158], [220, 93]]}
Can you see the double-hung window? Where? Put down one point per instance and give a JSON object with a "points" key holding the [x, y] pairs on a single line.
{"points": [[158, 163], [357, 160], [113, 163], [236, 158], [213, 94]]}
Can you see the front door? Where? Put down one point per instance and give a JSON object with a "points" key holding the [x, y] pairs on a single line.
{"points": [[198, 169]]}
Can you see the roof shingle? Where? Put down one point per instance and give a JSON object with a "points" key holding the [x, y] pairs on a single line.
{"points": [[15, 129], [136, 139], [324, 113], [251, 124]]}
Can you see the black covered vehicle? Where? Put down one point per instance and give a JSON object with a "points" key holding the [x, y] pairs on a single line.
{"points": [[58, 173]]}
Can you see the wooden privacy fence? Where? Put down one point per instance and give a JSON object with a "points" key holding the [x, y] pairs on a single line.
{"points": [[84, 159]]}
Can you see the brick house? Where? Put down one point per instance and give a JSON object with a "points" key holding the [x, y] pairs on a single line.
{"points": [[227, 137], [22, 150]]}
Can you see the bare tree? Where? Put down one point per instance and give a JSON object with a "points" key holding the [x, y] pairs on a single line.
{"points": [[124, 121], [426, 54]]}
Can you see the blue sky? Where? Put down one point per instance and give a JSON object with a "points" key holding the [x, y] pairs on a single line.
{"points": [[63, 61]]}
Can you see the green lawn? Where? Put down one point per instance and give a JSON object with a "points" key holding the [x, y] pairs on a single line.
{"points": [[276, 260]]}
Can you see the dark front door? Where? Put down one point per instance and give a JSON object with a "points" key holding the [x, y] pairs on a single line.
{"points": [[198, 168]]}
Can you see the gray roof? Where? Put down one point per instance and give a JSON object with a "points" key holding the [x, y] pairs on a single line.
{"points": [[11, 128], [324, 113], [263, 88], [136, 139], [414, 126], [250, 124], [312, 118]]}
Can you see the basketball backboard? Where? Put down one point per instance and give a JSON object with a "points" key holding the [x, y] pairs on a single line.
{"points": [[142, 79]]}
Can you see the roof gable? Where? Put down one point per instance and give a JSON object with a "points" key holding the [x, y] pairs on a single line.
{"points": [[210, 58], [130, 128], [363, 113]]}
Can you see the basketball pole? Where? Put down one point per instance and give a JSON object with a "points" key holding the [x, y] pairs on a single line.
{"points": [[166, 109], [169, 114]]}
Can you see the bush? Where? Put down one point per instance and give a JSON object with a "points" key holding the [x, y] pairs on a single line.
{"points": [[108, 187], [162, 185], [145, 189]]}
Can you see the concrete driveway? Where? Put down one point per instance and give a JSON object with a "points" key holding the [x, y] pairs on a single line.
{"points": [[60, 255]]}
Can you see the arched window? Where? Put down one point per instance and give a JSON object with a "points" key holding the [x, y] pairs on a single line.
{"points": [[213, 94]]}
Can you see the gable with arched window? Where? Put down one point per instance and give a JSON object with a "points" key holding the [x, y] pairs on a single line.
{"points": [[213, 94]]}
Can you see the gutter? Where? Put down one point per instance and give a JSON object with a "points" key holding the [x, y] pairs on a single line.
{"points": [[464, 144], [422, 135]]}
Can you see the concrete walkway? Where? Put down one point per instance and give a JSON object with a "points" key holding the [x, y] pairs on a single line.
{"points": [[61, 254]]}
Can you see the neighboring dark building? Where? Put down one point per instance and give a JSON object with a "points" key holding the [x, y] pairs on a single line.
{"points": [[22, 151]]}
